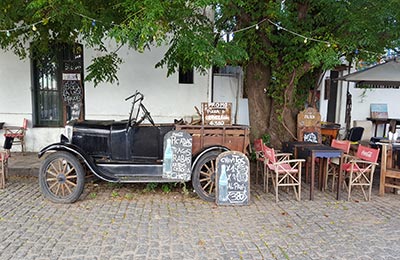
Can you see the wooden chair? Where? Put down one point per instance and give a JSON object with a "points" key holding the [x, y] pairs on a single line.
{"points": [[3, 169], [360, 170], [258, 144], [284, 172], [333, 164], [17, 134], [390, 176]]}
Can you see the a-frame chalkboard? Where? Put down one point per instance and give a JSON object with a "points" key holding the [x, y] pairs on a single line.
{"points": [[232, 179], [177, 162]]}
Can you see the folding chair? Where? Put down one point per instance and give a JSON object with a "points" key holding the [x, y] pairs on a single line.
{"points": [[258, 143], [360, 170], [16, 134], [333, 164], [284, 172]]}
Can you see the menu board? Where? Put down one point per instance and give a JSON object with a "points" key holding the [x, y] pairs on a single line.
{"points": [[217, 113], [177, 160], [232, 179]]}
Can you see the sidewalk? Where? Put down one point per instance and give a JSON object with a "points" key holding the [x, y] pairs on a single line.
{"points": [[26, 164], [126, 221]]}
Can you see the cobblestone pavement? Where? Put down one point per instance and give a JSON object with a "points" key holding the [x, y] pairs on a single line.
{"points": [[130, 222]]}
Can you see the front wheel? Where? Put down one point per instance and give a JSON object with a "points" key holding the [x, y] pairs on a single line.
{"points": [[61, 178], [203, 178]]}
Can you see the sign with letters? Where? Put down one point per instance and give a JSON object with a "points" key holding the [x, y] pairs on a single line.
{"points": [[232, 179], [177, 162], [217, 113]]}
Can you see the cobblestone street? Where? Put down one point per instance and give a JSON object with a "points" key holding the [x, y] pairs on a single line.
{"points": [[126, 222]]}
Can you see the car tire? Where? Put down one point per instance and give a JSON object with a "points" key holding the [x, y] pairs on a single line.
{"points": [[61, 178], [203, 178]]}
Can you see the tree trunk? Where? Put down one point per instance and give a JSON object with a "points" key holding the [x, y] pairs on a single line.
{"points": [[266, 117]]}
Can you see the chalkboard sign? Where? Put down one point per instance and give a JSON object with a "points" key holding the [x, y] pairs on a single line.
{"points": [[232, 179], [217, 113], [177, 162]]}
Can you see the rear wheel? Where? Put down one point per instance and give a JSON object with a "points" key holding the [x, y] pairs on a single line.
{"points": [[61, 178], [203, 178]]}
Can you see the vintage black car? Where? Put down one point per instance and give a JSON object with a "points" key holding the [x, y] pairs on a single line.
{"points": [[129, 151]]}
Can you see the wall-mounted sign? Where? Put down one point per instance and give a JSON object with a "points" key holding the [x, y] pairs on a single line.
{"points": [[177, 162], [217, 113], [232, 179]]}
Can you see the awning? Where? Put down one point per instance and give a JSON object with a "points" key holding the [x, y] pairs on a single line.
{"points": [[382, 75]]}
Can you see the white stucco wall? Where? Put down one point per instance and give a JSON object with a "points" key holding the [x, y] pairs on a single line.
{"points": [[165, 98]]}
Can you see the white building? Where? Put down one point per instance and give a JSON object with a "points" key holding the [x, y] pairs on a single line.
{"points": [[42, 93], [333, 103]]}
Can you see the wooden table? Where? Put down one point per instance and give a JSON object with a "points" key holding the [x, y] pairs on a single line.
{"points": [[311, 151], [384, 122]]}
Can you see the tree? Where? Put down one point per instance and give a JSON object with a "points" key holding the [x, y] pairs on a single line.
{"points": [[283, 46]]}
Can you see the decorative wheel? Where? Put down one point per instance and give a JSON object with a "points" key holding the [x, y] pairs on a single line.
{"points": [[203, 179], [61, 178]]}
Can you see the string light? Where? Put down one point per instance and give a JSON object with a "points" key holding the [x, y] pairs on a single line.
{"points": [[256, 26]]}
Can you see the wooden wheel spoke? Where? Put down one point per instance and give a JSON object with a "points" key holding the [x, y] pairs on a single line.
{"points": [[58, 188], [212, 187], [51, 179], [70, 183], [208, 174], [70, 170], [54, 167], [205, 179], [51, 172], [207, 184], [62, 189], [53, 185], [68, 188], [72, 177]]}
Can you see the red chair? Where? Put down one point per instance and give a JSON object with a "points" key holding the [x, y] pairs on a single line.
{"points": [[333, 164], [17, 134], [284, 172], [258, 144], [360, 170], [3, 169]]}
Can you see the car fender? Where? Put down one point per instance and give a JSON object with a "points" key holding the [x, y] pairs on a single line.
{"points": [[73, 149], [206, 150]]}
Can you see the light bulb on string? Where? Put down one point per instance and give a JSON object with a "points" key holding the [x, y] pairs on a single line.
{"points": [[93, 23], [328, 44], [34, 28], [8, 33], [305, 40], [257, 27]]}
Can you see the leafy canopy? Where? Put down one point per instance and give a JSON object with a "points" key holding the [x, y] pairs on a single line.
{"points": [[196, 32]]}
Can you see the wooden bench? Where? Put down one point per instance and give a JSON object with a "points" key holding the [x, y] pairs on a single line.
{"points": [[390, 176]]}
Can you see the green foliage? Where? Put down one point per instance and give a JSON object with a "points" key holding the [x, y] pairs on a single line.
{"points": [[197, 37], [150, 187], [104, 69], [166, 187]]}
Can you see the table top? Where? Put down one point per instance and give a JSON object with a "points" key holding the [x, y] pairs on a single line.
{"points": [[321, 151]]}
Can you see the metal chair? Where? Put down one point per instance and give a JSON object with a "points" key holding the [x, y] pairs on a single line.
{"points": [[284, 172], [359, 170], [16, 134]]}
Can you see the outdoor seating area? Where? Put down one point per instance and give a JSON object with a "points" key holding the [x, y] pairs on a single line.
{"points": [[344, 165]]}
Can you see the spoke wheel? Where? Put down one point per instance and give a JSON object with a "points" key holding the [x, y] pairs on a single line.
{"points": [[61, 178], [203, 178]]}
